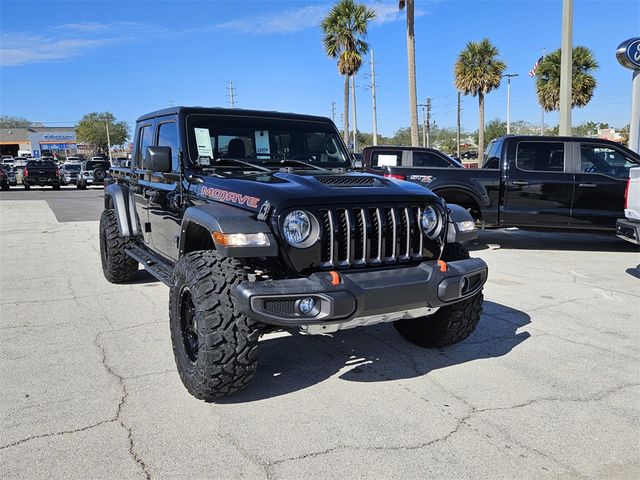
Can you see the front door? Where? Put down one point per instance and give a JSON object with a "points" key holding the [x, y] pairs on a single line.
{"points": [[539, 185], [165, 200], [601, 173]]}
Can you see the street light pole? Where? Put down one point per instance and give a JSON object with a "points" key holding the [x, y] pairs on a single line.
{"points": [[108, 141], [566, 67], [509, 77]]}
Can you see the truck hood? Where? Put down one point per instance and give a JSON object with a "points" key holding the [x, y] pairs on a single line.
{"points": [[285, 190]]}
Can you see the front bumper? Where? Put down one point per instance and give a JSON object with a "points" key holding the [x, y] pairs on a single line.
{"points": [[379, 294], [628, 230]]}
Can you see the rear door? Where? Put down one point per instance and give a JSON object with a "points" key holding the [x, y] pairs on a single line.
{"points": [[601, 173], [140, 185], [539, 184]]}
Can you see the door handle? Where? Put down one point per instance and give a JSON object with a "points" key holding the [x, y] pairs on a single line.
{"points": [[587, 185], [521, 182]]}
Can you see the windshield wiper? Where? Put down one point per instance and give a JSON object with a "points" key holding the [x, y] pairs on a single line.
{"points": [[240, 163], [288, 162]]}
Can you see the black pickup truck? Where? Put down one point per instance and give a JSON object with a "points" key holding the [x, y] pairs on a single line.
{"points": [[255, 221], [42, 173], [528, 181]]}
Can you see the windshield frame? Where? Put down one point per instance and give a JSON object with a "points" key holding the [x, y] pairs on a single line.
{"points": [[271, 159]]}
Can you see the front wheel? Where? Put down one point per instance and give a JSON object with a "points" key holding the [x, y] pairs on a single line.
{"points": [[214, 345], [449, 325]]}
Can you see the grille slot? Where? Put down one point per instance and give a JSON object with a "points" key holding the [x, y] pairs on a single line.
{"points": [[357, 237], [280, 307]]}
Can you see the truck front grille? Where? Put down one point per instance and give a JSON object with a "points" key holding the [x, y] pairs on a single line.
{"points": [[353, 237]]}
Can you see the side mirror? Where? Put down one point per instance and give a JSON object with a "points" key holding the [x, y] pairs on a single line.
{"points": [[157, 159]]}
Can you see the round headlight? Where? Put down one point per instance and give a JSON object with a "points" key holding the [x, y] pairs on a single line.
{"points": [[296, 227], [430, 222]]}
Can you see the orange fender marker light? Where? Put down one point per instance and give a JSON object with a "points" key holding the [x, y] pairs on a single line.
{"points": [[335, 278], [442, 265]]}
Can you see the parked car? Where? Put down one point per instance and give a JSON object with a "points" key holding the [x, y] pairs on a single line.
{"points": [[18, 168], [11, 175], [92, 172], [469, 155], [69, 173], [533, 182], [42, 173], [4, 180], [263, 227], [628, 228], [8, 161], [73, 160], [407, 162]]}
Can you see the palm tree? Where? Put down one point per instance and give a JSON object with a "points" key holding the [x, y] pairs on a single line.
{"points": [[478, 71], [583, 83], [344, 30], [411, 54]]}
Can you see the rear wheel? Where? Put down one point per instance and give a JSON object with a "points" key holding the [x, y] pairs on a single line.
{"points": [[27, 186], [117, 266], [56, 187], [450, 324], [214, 345]]}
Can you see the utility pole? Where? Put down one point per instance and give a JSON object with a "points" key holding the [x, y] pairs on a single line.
{"points": [[458, 132], [373, 101], [509, 77], [566, 69], [424, 124], [355, 117], [428, 120], [232, 95], [333, 111], [108, 141]]}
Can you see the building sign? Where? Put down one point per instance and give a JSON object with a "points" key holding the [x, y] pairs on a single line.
{"points": [[60, 137], [628, 53]]}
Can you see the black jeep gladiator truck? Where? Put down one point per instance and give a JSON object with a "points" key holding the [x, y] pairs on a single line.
{"points": [[256, 222], [526, 181], [41, 173]]}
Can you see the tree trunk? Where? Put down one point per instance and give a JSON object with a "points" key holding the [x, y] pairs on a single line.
{"points": [[481, 126], [411, 54], [345, 118]]}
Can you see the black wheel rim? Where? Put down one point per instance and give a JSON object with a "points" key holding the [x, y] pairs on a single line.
{"points": [[188, 325]]}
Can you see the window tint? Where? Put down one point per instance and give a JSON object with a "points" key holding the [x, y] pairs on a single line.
{"points": [[428, 159], [168, 137], [386, 159], [540, 156], [145, 139], [604, 160]]}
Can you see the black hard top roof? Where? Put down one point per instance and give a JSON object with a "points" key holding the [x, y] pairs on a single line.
{"points": [[238, 112]]}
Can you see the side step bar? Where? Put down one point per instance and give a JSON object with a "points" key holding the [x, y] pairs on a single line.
{"points": [[153, 264]]}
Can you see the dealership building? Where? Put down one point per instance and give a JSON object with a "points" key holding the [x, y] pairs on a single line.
{"points": [[38, 141]]}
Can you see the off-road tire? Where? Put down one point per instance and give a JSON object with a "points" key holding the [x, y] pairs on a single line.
{"points": [[227, 341], [27, 187], [117, 266], [449, 325], [56, 187], [5, 187]]}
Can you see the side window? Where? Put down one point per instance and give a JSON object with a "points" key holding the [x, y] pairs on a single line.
{"points": [[492, 159], [168, 137], [489, 151], [604, 160], [428, 159], [386, 159], [540, 156], [145, 139]]}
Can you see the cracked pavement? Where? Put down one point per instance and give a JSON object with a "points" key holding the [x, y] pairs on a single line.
{"points": [[547, 387]]}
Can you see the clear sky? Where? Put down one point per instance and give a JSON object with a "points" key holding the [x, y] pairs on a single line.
{"points": [[61, 60]]}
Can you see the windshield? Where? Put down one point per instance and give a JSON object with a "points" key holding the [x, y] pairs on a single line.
{"points": [[41, 164], [264, 140], [72, 168]]}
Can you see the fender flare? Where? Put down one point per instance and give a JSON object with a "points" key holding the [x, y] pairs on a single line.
{"points": [[118, 197], [481, 202], [459, 214], [219, 217]]}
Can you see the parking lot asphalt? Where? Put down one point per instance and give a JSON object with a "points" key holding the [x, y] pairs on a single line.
{"points": [[547, 386]]}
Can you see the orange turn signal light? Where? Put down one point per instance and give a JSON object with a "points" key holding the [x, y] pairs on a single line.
{"points": [[442, 265], [335, 278]]}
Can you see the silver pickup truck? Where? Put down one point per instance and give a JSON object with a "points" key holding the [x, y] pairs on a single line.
{"points": [[629, 228]]}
